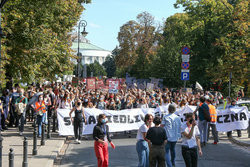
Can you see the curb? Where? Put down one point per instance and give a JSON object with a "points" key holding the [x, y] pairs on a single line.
{"points": [[55, 154], [240, 143]]}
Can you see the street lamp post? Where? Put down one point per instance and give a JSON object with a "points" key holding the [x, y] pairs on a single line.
{"points": [[83, 24]]}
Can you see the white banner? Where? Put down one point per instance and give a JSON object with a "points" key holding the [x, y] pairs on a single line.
{"points": [[232, 119], [132, 119]]}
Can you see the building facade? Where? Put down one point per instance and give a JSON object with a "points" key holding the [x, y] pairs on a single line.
{"points": [[90, 53]]}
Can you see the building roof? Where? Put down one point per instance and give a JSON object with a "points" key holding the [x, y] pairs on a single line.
{"points": [[86, 46]]}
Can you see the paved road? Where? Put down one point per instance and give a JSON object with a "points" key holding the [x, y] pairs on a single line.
{"points": [[224, 154]]}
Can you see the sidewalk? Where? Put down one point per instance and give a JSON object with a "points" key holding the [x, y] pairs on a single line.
{"points": [[243, 140], [45, 154]]}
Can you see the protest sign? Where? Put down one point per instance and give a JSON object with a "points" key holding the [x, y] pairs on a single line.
{"points": [[114, 86], [91, 83]]}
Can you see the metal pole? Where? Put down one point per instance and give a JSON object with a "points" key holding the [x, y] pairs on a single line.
{"points": [[54, 121], [78, 50], [85, 70], [11, 158], [185, 84], [43, 133], [48, 130], [229, 86], [25, 152], [1, 149], [34, 142]]}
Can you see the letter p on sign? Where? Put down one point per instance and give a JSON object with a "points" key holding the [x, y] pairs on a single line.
{"points": [[185, 76]]}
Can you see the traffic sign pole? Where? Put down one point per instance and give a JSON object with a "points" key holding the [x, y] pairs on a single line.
{"points": [[185, 65]]}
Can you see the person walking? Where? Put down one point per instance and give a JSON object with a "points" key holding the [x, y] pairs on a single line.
{"points": [[142, 144], [157, 138], [172, 125], [190, 141], [6, 107], [229, 133], [21, 103], [40, 110], [212, 123], [203, 110], [78, 120], [102, 137], [1, 111], [13, 114]]}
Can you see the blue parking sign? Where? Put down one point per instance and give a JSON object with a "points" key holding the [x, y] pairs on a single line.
{"points": [[185, 76]]}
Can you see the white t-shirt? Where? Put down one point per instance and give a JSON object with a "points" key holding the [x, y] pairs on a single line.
{"points": [[142, 129], [189, 142]]}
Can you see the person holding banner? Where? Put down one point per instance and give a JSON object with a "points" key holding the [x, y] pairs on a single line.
{"points": [[190, 141], [142, 143], [78, 120], [101, 137]]}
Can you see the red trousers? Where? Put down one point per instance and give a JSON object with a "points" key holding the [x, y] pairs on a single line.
{"points": [[102, 154]]}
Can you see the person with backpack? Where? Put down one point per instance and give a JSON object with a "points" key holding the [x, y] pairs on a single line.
{"points": [[21, 103], [204, 118]]}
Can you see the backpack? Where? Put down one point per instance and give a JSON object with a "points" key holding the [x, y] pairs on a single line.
{"points": [[206, 114]]}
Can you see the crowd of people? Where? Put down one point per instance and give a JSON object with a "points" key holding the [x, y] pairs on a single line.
{"points": [[41, 102]]}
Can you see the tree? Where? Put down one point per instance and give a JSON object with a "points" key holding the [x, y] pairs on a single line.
{"points": [[97, 69], [109, 63], [37, 44], [137, 40], [167, 62], [219, 39]]}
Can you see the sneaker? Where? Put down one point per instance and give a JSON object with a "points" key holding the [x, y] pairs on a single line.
{"points": [[79, 142], [215, 143], [76, 140], [20, 133]]}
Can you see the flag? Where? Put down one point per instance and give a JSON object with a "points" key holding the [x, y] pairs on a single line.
{"points": [[198, 86]]}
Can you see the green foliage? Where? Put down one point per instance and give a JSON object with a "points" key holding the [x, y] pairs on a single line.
{"points": [[215, 31], [136, 41], [97, 69], [110, 65], [38, 44]]}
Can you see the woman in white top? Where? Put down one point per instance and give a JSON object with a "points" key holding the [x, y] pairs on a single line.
{"points": [[190, 141], [142, 144]]}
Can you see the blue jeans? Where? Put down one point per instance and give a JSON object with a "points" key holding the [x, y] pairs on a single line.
{"points": [[40, 121], [143, 153], [203, 127], [170, 146], [21, 120]]}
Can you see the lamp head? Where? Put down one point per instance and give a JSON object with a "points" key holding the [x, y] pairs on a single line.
{"points": [[84, 33]]}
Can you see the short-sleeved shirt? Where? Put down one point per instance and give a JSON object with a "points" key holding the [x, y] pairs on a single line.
{"points": [[14, 97], [157, 135], [142, 129], [189, 142]]}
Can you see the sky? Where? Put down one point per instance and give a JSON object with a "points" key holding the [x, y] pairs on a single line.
{"points": [[105, 17]]}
